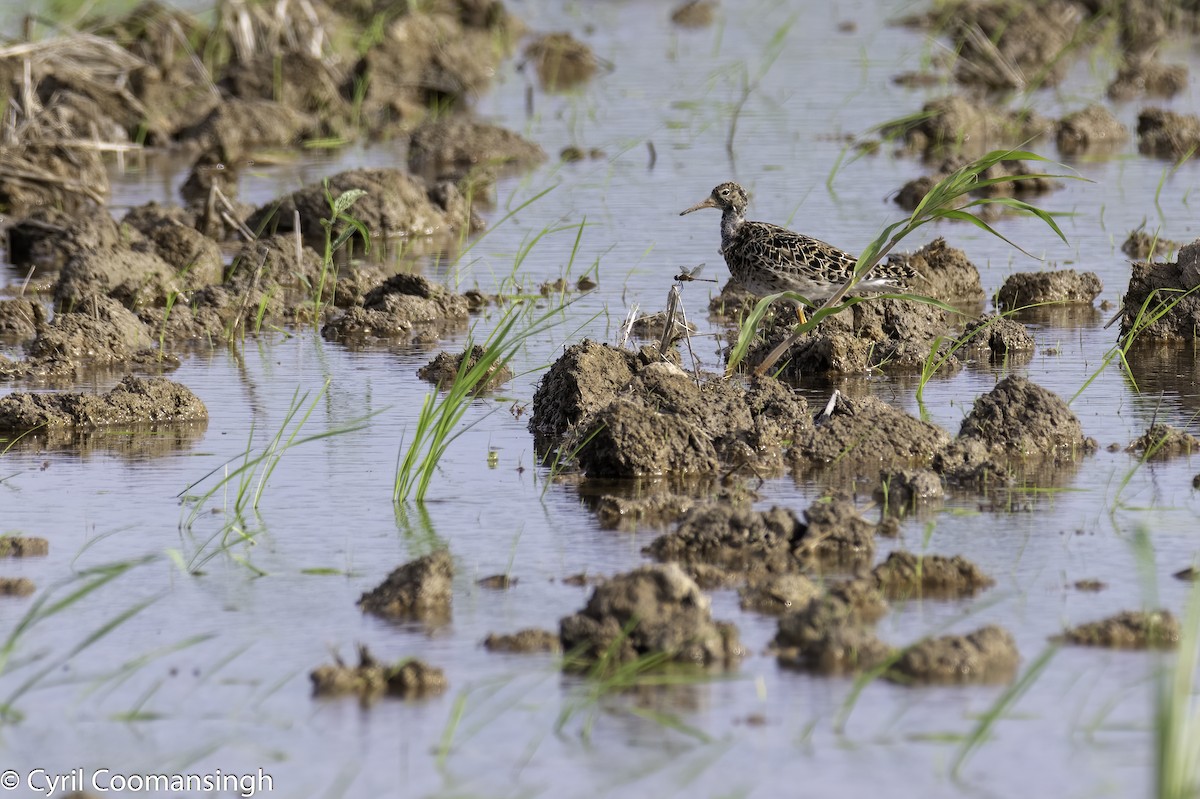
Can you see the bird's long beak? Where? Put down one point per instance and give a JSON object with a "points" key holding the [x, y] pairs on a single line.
{"points": [[707, 202]]}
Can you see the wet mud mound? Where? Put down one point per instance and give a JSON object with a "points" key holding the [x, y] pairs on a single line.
{"points": [[624, 415], [1030, 185], [1021, 418], [776, 594], [396, 308], [1143, 246], [905, 576], [997, 338], [955, 124], [1090, 129], [902, 490], [830, 634], [1166, 134], [1169, 283], [1003, 45], [1139, 77], [420, 589], [651, 611], [455, 148], [98, 332], [396, 204], [23, 546], [658, 503], [742, 542], [524, 641], [561, 61], [694, 13], [868, 433], [16, 586], [1128, 630], [944, 273], [1163, 441], [988, 655], [1059, 286], [407, 679], [444, 368], [134, 400], [20, 320], [237, 126], [49, 237]]}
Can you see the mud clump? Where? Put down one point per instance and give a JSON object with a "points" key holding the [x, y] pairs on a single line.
{"points": [[905, 575], [985, 656], [694, 13], [1165, 134], [1003, 45], [1163, 441], [396, 204], [868, 431], [1128, 630], [583, 380], [998, 336], [954, 123], [1143, 247], [658, 508], [1029, 184], [1060, 286], [1148, 76], [742, 542], [134, 400], [828, 635], [370, 679], [903, 489], [132, 278], [1091, 128], [445, 368], [653, 610], [21, 546], [234, 127], [944, 273], [1021, 418], [777, 594], [395, 308], [420, 589], [661, 422], [524, 641], [21, 319], [561, 61], [455, 148], [1168, 281], [16, 586]]}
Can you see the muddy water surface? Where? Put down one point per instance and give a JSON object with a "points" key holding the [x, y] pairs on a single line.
{"points": [[212, 673]]}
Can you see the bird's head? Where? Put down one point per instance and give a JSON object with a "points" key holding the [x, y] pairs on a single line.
{"points": [[725, 196]]}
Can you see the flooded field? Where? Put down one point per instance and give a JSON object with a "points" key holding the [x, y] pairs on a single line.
{"points": [[201, 566]]}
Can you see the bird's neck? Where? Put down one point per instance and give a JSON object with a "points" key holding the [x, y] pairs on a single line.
{"points": [[731, 221]]}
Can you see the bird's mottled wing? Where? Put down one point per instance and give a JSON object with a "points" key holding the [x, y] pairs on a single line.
{"points": [[794, 252]]}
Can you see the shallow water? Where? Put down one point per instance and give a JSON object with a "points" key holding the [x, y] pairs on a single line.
{"points": [[151, 696]]}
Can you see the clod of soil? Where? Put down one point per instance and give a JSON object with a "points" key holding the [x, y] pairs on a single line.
{"points": [[49, 237], [955, 123], [657, 508], [1005, 45], [1089, 585], [1144, 247], [497, 582], [583, 380], [444, 368], [778, 593], [22, 546], [653, 610], [455, 148], [135, 400], [828, 634], [405, 679], [972, 463], [313, 87], [1091, 128], [1165, 134], [1000, 336], [531, 640], [1170, 280], [21, 319], [561, 60], [420, 589], [905, 575], [1130, 629], [984, 656], [911, 194], [1148, 76], [1063, 286], [944, 273], [170, 234], [234, 127], [650, 327], [395, 204], [694, 13], [132, 278], [903, 489], [662, 422], [744, 542], [868, 431], [1021, 418], [16, 586], [395, 308], [1164, 441]]}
